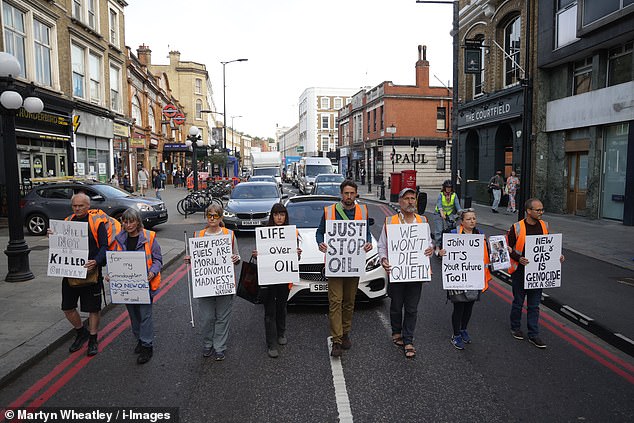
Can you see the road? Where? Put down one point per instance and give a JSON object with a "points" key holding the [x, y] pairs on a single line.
{"points": [[496, 378]]}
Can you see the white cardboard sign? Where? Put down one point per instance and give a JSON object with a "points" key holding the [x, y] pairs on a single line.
{"points": [[127, 271], [345, 255], [544, 267], [277, 255], [406, 244], [499, 253], [211, 266], [463, 265], [67, 249]]}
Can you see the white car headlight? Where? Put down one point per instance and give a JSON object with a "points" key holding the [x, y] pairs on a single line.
{"points": [[228, 214], [143, 207], [372, 263]]}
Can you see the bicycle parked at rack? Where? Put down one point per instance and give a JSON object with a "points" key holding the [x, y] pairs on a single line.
{"points": [[198, 201]]}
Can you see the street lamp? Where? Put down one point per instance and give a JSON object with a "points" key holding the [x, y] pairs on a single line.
{"points": [[233, 145], [194, 141], [392, 130], [17, 250], [224, 105]]}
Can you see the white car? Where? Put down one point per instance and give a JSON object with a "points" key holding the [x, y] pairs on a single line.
{"points": [[305, 212]]}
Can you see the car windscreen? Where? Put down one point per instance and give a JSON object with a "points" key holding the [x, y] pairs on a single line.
{"points": [[262, 179], [111, 192], [254, 192], [271, 171], [329, 178], [314, 170], [327, 189], [306, 214]]}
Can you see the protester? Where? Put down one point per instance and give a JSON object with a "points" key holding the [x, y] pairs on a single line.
{"points": [[216, 311], [135, 238], [404, 295], [89, 295], [342, 290], [495, 186], [446, 212], [462, 300], [275, 296], [532, 224], [142, 178], [512, 185]]}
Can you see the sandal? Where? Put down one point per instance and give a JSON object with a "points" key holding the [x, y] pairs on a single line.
{"points": [[410, 351], [397, 340]]}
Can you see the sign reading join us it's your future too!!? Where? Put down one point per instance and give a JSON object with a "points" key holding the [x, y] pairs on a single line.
{"points": [[345, 255], [406, 252], [212, 269], [277, 255], [544, 266], [463, 264], [67, 249], [127, 271]]}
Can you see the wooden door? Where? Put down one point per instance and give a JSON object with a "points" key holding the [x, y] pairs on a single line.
{"points": [[577, 164]]}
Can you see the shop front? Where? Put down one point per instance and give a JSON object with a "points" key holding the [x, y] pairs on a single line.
{"points": [[93, 146], [120, 153]]}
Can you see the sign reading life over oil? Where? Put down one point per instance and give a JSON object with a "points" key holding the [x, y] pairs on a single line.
{"points": [[345, 255], [544, 266], [463, 265], [67, 249], [277, 254], [212, 268], [406, 252]]}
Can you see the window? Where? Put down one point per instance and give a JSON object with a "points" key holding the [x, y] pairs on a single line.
{"points": [[86, 12], [566, 22], [136, 111], [325, 121], [115, 88], [512, 40], [368, 122], [441, 118], [95, 78], [338, 103], [198, 86], [15, 34], [582, 82], [91, 10], [114, 27], [199, 109], [42, 50], [595, 10], [151, 118], [87, 69], [381, 119], [440, 158], [325, 103], [79, 73], [620, 64], [478, 78], [324, 143], [77, 9]]}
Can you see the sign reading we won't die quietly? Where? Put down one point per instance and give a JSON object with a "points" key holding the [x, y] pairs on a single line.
{"points": [[212, 269], [127, 271], [406, 252], [544, 266], [67, 249], [463, 264], [345, 255], [277, 255]]}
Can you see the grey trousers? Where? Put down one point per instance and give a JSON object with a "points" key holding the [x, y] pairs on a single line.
{"points": [[215, 313], [141, 321]]}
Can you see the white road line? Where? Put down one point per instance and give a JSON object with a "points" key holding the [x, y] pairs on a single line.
{"points": [[385, 321], [339, 382]]}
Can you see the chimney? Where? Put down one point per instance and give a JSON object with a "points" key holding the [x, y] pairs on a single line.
{"points": [[422, 68], [175, 57], [144, 54]]}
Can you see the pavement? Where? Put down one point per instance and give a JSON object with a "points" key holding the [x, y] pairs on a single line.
{"points": [[32, 323]]}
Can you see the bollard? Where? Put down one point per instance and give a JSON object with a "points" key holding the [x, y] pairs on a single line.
{"points": [[382, 197]]}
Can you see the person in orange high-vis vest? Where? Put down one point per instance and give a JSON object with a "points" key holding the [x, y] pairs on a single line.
{"points": [[342, 290], [404, 296], [532, 224], [463, 301], [134, 237]]}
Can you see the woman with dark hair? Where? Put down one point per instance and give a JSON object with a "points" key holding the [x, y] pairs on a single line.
{"points": [[274, 297]]}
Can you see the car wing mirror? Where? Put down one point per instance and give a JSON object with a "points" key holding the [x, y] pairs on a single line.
{"points": [[370, 221]]}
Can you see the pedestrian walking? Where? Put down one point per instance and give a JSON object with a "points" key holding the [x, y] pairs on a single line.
{"points": [[532, 224], [114, 181], [134, 237], [495, 186], [159, 184], [404, 296], [362, 174], [342, 290], [143, 178], [446, 212], [274, 297], [216, 311], [512, 185]]}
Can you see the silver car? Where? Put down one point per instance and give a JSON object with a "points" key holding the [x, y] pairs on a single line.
{"points": [[250, 204]]}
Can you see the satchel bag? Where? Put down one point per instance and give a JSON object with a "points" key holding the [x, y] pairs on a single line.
{"points": [[92, 277], [463, 296], [248, 283]]}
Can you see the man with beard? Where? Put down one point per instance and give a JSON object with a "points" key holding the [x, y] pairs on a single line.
{"points": [[404, 295]]}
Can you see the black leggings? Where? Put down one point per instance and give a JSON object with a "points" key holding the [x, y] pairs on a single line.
{"points": [[460, 316]]}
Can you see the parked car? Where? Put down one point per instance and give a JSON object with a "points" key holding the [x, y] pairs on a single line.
{"points": [[327, 178], [327, 188], [305, 212], [250, 203], [52, 201]]}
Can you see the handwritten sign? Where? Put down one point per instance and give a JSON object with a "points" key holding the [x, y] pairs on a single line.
{"points": [[277, 255], [463, 265], [499, 252], [212, 268], [544, 268], [406, 252], [67, 249], [127, 271], [345, 255]]}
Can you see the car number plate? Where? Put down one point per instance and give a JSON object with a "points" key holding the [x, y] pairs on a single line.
{"points": [[319, 287], [163, 214], [251, 222]]}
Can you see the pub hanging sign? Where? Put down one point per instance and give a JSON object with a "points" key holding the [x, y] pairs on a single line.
{"points": [[473, 56]]}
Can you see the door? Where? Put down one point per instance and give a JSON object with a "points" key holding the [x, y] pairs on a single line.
{"points": [[51, 165], [577, 164], [614, 170]]}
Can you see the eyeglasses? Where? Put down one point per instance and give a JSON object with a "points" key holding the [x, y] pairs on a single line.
{"points": [[213, 216], [538, 210]]}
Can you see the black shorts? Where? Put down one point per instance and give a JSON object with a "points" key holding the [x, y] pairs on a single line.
{"points": [[90, 296]]}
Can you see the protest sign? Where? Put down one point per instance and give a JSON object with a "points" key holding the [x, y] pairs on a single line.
{"points": [[212, 268], [345, 255], [277, 255], [406, 245], [67, 249], [499, 252], [463, 265], [544, 268], [127, 271]]}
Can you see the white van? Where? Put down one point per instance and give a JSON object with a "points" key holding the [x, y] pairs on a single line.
{"points": [[308, 168]]}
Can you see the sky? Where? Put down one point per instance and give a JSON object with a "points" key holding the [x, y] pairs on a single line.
{"points": [[292, 45]]}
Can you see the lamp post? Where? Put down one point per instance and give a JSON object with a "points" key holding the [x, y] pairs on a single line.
{"points": [[392, 130], [17, 250], [233, 145], [194, 141], [224, 104]]}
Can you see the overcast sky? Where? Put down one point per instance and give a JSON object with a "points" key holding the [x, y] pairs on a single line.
{"points": [[292, 45]]}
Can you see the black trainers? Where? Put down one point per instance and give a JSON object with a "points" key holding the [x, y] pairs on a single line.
{"points": [[346, 343], [93, 346], [80, 339], [282, 340], [336, 350], [145, 355], [517, 334], [537, 342], [273, 353], [138, 348]]}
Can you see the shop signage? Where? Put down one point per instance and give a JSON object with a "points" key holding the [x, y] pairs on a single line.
{"points": [[137, 142], [169, 111], [508, 107], [45, 126], [409, 158], [179, 118], [120, 130], [175, 147]]}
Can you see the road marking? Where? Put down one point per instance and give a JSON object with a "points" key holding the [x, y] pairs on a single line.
{"points": [[339, 382]]}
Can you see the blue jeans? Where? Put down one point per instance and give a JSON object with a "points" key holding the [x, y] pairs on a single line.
{"points": [[497, 195], [533, 298], [141, 321], [215, 313], [404, 308]]}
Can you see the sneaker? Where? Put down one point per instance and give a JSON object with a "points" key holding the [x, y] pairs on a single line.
{"points": [[138, 348], [208, 351], [457, 342], [537, 342], [282, 340], [145, 355], [465, 336], [219, 356], [494, 211], [93, 346], [273, 353], [81, 337], [517, 334], [336, 350], [346, 343]]}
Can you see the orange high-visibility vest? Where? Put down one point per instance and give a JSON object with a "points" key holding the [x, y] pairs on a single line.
{"points": [[360, 212], [487, 272], [395, 220], [149, 242], [520, 240]]}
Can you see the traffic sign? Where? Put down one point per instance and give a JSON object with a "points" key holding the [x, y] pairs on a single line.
{"points": [[179, 118], [300, 148], [170, 110]]}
